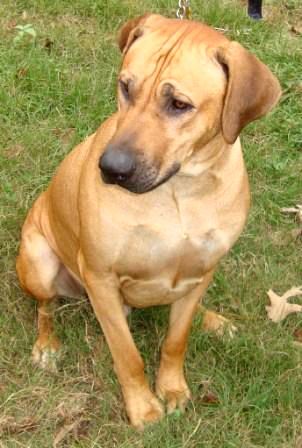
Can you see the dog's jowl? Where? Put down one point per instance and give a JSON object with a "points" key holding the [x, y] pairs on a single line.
{"points": [[140, 213]]}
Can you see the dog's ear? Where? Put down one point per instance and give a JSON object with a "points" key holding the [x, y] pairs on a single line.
{"points": [[130, 31], [252, 90]]}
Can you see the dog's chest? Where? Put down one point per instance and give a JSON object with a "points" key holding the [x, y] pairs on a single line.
{"points": [[166, 266], [161, 254]]}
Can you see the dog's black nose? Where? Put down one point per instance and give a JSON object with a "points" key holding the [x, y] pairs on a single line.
{"points": [[117, 165]]}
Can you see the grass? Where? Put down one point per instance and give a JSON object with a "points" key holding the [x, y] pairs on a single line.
{"points": [[55, 90]]}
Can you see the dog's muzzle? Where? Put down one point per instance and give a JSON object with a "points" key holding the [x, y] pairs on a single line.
{"points": [[130, 170]]}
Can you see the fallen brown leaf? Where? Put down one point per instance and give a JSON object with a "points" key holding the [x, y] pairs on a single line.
{"points": [[296, 29], [297, 210], [82, 429], [71, 413], [207, 396], [298, 335], [48, 44], [280, 308], [64, 431]]}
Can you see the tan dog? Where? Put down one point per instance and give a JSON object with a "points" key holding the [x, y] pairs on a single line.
{"points": [[185, 92]]}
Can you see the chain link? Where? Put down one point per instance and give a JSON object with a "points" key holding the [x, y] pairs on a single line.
{"points": [[184, 10]]}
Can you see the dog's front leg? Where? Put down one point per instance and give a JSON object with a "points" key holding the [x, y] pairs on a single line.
{"points": [[141, 404], [171, 385]]}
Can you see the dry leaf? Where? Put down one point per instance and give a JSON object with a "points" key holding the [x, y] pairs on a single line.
{"points": [[82, 429], [48, 44], [297, 210], [298, 335], [218, 324], [298, 340], [280, 308], [64, 431], [207, 396], [296, 29], [72, 414]]}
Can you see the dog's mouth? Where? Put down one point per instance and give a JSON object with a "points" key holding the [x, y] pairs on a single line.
{"points": [[142, 178], [171, 172]]}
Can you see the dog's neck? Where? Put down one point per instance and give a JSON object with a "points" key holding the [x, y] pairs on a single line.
{"points": [[207, 157]]}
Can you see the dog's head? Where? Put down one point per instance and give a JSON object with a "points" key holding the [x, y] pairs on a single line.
{"points": [[181, 84]]}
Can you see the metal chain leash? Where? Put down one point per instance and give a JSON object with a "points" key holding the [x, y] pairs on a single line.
{"points": [[184, 10]]}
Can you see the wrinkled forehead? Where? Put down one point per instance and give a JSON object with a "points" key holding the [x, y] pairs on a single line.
{"points": [[177, 51]]}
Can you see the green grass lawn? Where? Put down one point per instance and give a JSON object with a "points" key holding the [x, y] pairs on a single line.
{"points": [[57, 88]]}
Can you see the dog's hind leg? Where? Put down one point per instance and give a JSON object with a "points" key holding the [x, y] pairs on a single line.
{"points": [[38, 268]]}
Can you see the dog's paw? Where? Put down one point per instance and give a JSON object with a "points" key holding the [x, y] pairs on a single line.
{"points": [[173, 389], [143, 408], [45, 354]]}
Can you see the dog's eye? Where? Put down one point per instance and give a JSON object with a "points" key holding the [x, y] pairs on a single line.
{"points": [[124, 86], [178, 106]]}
